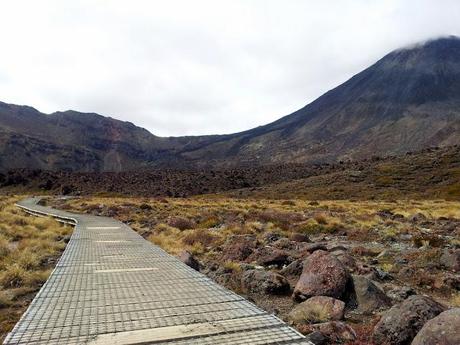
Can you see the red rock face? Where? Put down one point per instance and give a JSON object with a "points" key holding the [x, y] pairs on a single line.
{"points": [[322, 275]]}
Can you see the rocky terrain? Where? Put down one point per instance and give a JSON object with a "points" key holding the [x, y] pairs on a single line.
{"points": [[406, 101], [431, 173], [342, 272]]}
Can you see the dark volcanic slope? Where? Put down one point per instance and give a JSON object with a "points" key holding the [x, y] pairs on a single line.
{"points": [[408, 100], [81, 142], [430, 173]]}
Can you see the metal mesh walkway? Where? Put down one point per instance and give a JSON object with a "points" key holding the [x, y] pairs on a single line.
{"points": [[113, 287]]}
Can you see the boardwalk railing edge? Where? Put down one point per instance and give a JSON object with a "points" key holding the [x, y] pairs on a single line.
{"points": [[61, 219], [74, 222], [66, 220]]}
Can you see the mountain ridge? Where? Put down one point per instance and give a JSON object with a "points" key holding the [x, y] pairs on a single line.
{"points": [[406, 101]]}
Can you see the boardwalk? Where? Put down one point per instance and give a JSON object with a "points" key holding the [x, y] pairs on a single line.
{"points": [[113, 287]]}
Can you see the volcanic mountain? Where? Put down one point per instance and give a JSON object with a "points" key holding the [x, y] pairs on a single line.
{"points": [[406, 101]]}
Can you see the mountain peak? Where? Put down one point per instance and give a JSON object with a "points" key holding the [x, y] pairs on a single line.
{"points": [[440, 49], [434, 43], [406, 101]]}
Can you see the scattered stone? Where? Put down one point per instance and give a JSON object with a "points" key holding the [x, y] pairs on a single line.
{"points": [[188, 259], [401, 261], [322, 275], [418, 217], [239, 247], [346, 259], [385, 214], [285, 243], [400, 324], [336, 332], [400, 293], [298, 237], [268, 256], [145, 207], [336, 248], [450, 281], [450, 259], [378, 274], [271, 237], [317, 309], [444, 329], [398, 217], [261, 281], [317, 338], [312, 247], [294, 269], [368, 296]]}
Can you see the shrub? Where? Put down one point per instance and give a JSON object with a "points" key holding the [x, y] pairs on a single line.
{"points": [[201, 236], [13, 276], [145, 207], [425, 240], [181, 223], [209, 222], [321, 218], [4, 247], [282, 219], [5, 300]]}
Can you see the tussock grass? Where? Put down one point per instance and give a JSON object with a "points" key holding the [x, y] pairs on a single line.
{"points": [[404, 238], [28, 247], [177, 223]]}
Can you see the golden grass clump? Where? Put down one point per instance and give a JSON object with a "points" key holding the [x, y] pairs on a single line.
{"points": [[28, 247]]}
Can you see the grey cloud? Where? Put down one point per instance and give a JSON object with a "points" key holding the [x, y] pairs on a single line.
{"points": [[201, 67]]}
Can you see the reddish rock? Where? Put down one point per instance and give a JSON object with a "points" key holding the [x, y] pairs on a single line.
{"points": [[322, 275], [261, 281], [285, 243], [267, 256], [293, 270], [239, 247], [346, 259], [317, 309], [368, 296], [450, 259], [444, 329], [337, 332], [298, 237], [189, 260], [400, 324], [312, 247]]}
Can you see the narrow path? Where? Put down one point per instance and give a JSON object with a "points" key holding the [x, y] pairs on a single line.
{"points": [[111, 286]]}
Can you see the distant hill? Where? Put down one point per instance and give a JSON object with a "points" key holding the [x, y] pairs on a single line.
{"points": [[428, 174], [407, 101]]}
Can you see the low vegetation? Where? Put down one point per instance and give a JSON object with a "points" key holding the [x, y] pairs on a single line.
{"points": [[29, 248], [398, 243]]}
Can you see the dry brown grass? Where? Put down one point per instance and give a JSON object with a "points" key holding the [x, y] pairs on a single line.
{"points": [[198, 222], [202, 225], [29, 247]]}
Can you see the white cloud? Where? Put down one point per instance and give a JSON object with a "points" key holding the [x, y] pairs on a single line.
{"points": [[200, 67]]}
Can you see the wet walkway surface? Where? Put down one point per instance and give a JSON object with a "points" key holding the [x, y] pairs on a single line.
{"points": [[111, 286]]}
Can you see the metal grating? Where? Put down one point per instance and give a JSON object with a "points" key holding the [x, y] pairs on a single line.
{"points": [[111, 286]]}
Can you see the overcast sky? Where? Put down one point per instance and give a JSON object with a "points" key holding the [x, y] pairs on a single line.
{"points": [[200, 67]]}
